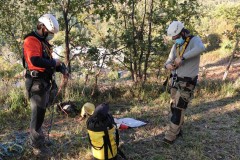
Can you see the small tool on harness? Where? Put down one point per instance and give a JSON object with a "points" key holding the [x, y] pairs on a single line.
{"points": [[174, 80]]}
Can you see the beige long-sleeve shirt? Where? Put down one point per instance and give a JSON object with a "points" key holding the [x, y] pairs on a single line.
{"points": [[190, 66]]}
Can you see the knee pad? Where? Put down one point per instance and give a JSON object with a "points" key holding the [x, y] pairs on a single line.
{"points": [[182, 103], [176, 116]]}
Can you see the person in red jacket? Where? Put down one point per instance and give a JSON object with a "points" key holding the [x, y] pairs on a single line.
{"points": [[40, 68]]}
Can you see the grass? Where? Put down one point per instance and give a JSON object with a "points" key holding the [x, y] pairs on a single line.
{"points": [[218, 55], [211, 130]]}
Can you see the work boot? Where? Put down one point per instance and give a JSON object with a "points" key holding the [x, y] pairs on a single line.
{"points": [[42, 151], [166, 141], [48, 142]]}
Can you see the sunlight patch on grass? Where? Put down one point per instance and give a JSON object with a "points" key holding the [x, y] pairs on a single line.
{"points": [[213, 56], [216, 88], [219, 111]]}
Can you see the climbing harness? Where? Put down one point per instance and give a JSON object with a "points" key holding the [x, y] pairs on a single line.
{"points": [[180, 53]]}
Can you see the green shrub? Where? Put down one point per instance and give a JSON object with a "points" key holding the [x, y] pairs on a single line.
{"points": [[227, 45], [9, 70], [217, 88], [17, 100], [164, 97], [112, 75], [214, 41]]}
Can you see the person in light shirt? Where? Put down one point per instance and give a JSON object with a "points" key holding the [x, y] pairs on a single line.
{"points": [[183, 62]]}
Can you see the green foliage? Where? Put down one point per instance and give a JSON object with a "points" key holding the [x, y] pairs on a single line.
{"points": [[214, 41], [158, 157], [16, 20], [9, 70], [58, 38], [217, 88], [140, 28], [93, 54], [227, 45], [151, 91], [225, 14], [113, 75], [164, 97], [17, 100], [115, 26], [229, 12]]}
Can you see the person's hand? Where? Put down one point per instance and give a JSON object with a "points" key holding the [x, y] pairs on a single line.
{"points": [[58, 62], [170, 66], [178, 62]]}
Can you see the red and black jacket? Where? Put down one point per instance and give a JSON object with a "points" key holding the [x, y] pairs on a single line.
{"points": [[38, 55]]}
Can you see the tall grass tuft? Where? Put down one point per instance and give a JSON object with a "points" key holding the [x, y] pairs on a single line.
{"points": [[217, 88], [17, 100]]}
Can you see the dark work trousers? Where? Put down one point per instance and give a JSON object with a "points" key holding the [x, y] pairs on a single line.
{"points": [[39, 94]]}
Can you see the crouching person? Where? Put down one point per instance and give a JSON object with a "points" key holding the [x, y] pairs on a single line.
{"points": [[103, 134]]}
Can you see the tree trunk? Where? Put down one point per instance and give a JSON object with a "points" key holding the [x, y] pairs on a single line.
{"points": [[141, 40], [149, 41], [96, 77], [85, 84], [65, 7], [67, 51], [134, 44], [230, 61]]}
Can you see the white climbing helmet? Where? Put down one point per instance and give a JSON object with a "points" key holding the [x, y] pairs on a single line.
{"points": [[50, 22], [175, 28]]}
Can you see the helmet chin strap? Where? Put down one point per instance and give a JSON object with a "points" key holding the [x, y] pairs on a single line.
{"points": [[44, 34], [185, 33]]}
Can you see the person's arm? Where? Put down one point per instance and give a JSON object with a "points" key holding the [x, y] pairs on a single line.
{"points": [[42, 62], [196, 50], [171, 56]]}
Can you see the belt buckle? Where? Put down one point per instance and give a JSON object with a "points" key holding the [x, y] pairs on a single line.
{"points": [[174, 80], [34, 74]]}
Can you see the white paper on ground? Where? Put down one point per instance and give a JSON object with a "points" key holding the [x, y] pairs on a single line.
{"points": [[129, 122]]}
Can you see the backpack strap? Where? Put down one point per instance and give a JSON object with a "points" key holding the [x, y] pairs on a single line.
{"points": [[117, 137], [119, 151], [107, 144]]}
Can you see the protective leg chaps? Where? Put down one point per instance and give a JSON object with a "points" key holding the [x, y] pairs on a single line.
{"points": [[180, 97]]}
